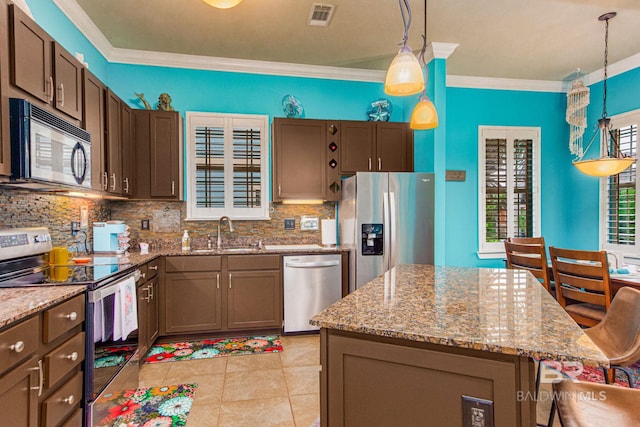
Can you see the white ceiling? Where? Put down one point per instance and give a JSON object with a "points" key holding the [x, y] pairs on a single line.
{"points": [[516, 39]]}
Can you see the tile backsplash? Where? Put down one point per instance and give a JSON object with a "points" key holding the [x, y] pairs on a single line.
{"points": [[24, 208]]}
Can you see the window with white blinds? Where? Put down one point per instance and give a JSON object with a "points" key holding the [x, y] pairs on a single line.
{"points": [[619, 192], [509, 179], [227, 166]]}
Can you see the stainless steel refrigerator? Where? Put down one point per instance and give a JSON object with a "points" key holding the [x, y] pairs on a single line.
{"points": [[386, 219]]}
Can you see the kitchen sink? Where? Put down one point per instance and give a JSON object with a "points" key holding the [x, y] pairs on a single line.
{"points": [[203, 251], [223, 250], [235, 250]]}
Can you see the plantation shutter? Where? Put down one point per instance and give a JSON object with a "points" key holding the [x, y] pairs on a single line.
{"points": [[621, 193]]}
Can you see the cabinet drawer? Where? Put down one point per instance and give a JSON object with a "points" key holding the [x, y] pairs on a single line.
{"points": [[152, 268], [253, 262], [192, 263], [25, 339], [62, 318], [62, 402], [63, 359]]}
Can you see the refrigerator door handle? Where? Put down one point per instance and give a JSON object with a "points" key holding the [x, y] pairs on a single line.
{"points": [[392, 229], [386, 230]]}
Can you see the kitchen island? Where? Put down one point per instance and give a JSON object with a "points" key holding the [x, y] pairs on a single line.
{"points": [[405, 348]]}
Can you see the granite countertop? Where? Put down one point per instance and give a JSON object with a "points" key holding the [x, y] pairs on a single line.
{"points": [[496, 310], [19, 303]]}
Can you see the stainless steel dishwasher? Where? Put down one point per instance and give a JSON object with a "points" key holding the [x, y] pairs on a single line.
{"points": [[311, 283]]}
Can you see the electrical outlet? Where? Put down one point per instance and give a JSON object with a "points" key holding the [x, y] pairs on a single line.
{"points": [[290, 224], [75, 227], [144, 224], [477, 412]]}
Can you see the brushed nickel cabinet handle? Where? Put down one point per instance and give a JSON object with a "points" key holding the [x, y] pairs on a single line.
{"points": [[279, 190], [126, 185], [218, 281], [73, 356], [379, 164], [173, 188], [61, 91], [18, 347], [113, 185], [150, 291], [50, 89], [229, 280], [40, 378], [369, 163], [72, 316], [69, 400], [105, 181]]}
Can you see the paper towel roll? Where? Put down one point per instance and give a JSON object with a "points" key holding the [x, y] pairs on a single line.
{"points": [[329, 232]]}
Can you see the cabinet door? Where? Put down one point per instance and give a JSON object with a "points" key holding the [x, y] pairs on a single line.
{"points": [[394, 147], [300, 166], [126, 143], [356, 148], [164, 155], [30, 56], [192, 302], [114, 147], [254, 300], [143, 307], [93, 122], [5, 145], [19, 394], [152, 311], [68, 82]]}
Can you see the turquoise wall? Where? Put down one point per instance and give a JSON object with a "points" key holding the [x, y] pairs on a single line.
{"points": [[569, 198]]}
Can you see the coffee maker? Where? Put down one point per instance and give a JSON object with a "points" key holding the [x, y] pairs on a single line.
{"points": [[110, 237]]}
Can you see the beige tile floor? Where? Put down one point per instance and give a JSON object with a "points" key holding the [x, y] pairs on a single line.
{"points": [[280, 389]]}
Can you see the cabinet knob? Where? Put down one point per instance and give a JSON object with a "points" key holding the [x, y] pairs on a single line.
{"points": [[69, 400], [73, 356], [72, 316], [144, 275], [18, 347], [153, 267]]}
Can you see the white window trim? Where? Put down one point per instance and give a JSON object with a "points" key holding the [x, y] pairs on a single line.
{"points": [[194, 213], [622, 251], [491, 250]]}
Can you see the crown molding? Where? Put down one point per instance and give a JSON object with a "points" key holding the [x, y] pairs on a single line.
{"points": [[439, 50], [472, 82], [176, 60], [85, 25]]}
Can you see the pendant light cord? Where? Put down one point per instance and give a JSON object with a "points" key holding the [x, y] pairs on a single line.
{"points": [[423, 51], [606, 62], [405, 11]]}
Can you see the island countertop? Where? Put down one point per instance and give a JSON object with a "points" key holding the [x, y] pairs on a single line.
{"points": [[495, 310]]}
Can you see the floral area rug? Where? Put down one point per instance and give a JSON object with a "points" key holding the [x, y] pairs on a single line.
{"points": [[166, 406], [113, 356], [205, 349], [595, 375]]}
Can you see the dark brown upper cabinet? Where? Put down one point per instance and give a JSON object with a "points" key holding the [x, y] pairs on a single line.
{"points": [[376, 147], [94, 93], [113, 165], [5, 146], [158, 155], [299, 159], [42, 68], [127, 123]]}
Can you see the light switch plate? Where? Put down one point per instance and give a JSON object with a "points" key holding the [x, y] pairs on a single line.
{"points": [[290, 224], [477, 412], [308, 223]]}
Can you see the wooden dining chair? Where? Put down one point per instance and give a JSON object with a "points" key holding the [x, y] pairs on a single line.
{"points": [[532, 257], [582, 282], [527, 240]]}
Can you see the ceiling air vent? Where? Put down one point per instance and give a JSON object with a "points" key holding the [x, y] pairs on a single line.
{"points": [[320, 14]]}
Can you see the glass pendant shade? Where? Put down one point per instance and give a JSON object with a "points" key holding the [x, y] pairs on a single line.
{"points": [[424, 115], [605, 166], [404, 76], [222, 4]]}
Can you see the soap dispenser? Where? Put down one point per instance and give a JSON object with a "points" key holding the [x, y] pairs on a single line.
{"points": [[186, 241]]}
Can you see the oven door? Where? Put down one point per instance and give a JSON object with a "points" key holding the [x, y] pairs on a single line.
{"points": [[112, 345]]}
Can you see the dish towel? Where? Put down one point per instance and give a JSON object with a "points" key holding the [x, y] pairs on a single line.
{"points": [[108, 307], [128, 307]]}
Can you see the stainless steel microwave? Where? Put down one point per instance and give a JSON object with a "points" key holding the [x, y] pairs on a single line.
{"points": [[47, 151]]}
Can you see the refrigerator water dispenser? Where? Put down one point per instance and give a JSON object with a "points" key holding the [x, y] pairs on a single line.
{"points": [[372, 240]]}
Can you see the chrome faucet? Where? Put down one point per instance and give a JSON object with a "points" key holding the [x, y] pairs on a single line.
{"points": [[222, 218]]}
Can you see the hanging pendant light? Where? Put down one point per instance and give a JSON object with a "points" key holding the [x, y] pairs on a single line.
{"points": [[613, 162], [222, 4], [404, 76], [424, 115]]}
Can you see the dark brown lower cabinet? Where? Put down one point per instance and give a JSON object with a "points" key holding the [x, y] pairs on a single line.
{"points": [[206, 294], [19, 394], [148, 294], [370, 380], [192, 302]]}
